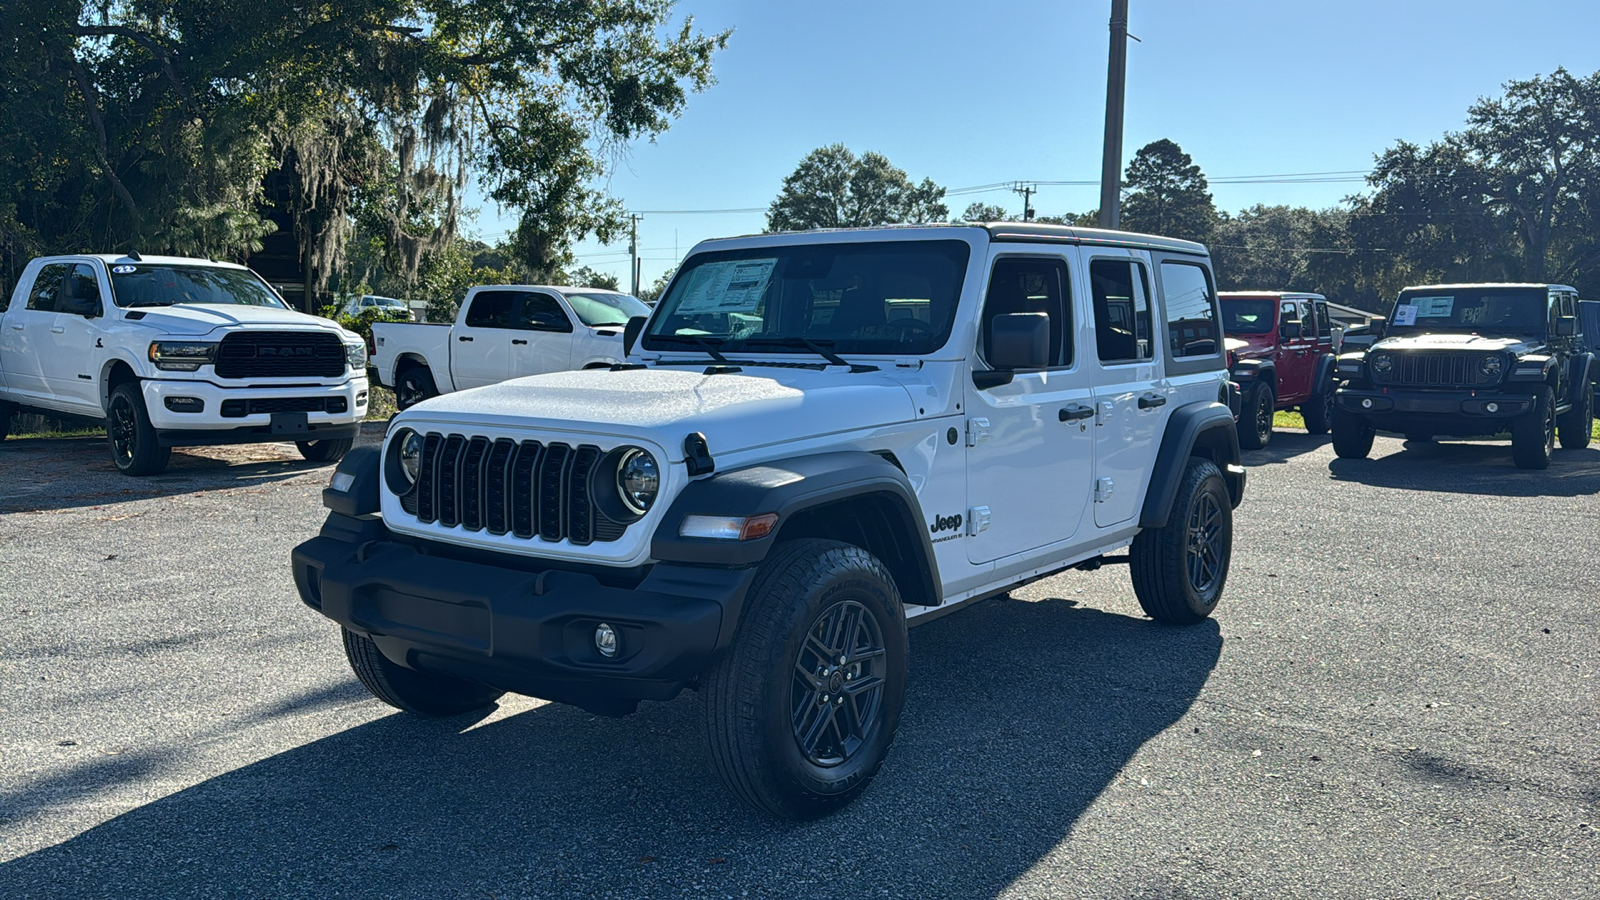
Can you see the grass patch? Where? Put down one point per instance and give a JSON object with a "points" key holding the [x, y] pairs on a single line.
{"points": [[1284, 418]]}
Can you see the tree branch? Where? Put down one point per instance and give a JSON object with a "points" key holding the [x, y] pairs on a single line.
{"points": [[86, 90], [143, 39]]}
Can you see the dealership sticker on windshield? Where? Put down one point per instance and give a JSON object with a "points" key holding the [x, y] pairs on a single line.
{"points": [[1434, 307], [124, 270], [730, 286], [1405, 314]]}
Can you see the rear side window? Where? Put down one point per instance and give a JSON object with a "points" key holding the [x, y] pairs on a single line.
{"points": [[491, 309], [1121, 310], [1191, 307], [1020, 285], [47, 287]]}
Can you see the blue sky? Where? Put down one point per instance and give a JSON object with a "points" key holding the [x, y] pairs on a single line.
{"points": [[975, 93]]}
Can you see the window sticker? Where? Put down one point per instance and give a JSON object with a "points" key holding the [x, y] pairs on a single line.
{"points": [[124, 270], [1405, 314], [732, 286], [1434, 307]]}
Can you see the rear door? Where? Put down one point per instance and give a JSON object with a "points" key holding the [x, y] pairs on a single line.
{"points": [[1132, 401], [541, 338], [480, 351]]}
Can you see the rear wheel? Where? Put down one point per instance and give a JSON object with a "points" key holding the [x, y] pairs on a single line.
{"points": [[1533, 435], [134, 446], [1255, 421], [414, 385], [423, 693], [1577, 426], [324, 451], [1352, 436], [1179, 569], [1318, 412]]}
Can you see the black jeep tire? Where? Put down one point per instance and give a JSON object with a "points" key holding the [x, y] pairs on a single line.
{"points": [[782, 736], [1318, 412], [1352, 436], [1180, 568], [1255, 419], [324, 451], [1576, 426], [135, 448], [423, 693], [1533, 434], [413, 385]]}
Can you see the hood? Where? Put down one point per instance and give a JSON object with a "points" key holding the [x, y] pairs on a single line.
{"points": [[1252, 346], [1456, 342], [756, 407], [198, 319]]}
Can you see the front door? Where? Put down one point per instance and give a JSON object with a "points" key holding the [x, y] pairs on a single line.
{"points": [[542, 337], [1030, 446], [71, 358], [1294, 352], [1131, 403], [480, 351]]}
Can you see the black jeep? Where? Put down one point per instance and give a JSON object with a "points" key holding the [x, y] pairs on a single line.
{"points": [[1471, 360]]}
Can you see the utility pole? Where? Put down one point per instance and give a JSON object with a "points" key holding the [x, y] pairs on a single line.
{"points": [[633, 251], [1027, 191], [1116, 80]]}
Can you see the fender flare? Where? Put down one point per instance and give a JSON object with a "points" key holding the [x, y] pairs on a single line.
{"points": [[1583, 369], [1191, 425], [1323, 380], [104, 385]]}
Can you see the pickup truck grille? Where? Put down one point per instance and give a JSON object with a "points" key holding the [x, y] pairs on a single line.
{"points": [[1436, 370], [281, 354], [234, 409], [527, 489]]}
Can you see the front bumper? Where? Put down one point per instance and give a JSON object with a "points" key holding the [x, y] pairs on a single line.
{"points": [[354, 390], [529, 631], [1438, 411]]}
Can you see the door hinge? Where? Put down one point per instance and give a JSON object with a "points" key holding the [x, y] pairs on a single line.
{"points": [[977, 431], [1107, 409], [1102, 489], [977, 520]]}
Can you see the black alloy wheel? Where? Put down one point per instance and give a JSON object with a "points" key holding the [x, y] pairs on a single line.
{"points": [[1533, 434], [837, 691], [1255, 422], [1576, 427], [122, 429], [1318, 412], [1179, 569], [1204, 556], [135, 447], [413, 386]]}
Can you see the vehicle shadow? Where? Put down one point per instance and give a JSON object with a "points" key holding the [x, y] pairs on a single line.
{"points": [[1284, 446], [1020, 714], [1473, 468]]}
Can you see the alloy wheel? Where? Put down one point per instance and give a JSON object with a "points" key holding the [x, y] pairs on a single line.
{"points": [[124, 429], [836, 694], [1204, 553]]}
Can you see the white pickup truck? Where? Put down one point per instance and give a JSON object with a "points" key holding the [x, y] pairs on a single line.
{"points": [[175, 352], [503, 331]]}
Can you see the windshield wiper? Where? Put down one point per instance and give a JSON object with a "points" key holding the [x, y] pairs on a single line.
{"points": [[704, 343], [820, 348]]}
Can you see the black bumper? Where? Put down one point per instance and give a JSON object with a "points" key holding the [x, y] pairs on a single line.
{"points": [[1463, 412], [254, 434], [521, 630]]}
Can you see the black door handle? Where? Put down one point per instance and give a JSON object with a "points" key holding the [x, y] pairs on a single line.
{"points": [[1074, 413], [518, 341], [1151, 401], [463, 338]]}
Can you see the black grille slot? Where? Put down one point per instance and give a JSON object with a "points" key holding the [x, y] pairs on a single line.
{"points": [[528, 489], [1436, 370], [281, 354], [237, 409]]}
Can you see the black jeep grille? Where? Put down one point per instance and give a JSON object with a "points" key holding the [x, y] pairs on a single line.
{"points": [[527, 489], [281, 354], [1435, 370]]}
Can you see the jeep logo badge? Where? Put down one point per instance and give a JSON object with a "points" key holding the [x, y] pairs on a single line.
{"points": [[945, 523]]}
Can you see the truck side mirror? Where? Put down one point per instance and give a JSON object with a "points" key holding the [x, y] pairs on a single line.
{"points": [[1289, 329], [1019, 341], [631, 332], [1566, 326]]}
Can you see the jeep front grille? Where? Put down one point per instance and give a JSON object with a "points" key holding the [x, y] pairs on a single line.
{"points": [[1435, 370], [528, 489], [281, 354]]}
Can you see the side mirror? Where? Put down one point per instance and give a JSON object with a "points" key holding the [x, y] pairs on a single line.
{"points": [[1289, 329], [1019, 341], [1379, 325], [1566, 326], [631, 332]]}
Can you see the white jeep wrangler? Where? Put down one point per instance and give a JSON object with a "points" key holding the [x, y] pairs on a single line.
{"points": [[817, 439]]}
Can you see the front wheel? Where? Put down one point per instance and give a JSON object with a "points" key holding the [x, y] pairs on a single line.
{"points": [[413, 386], [1352, 436], [1533, 435], [1255, 422], [1179, 569], [801, 710], [324, 451], [423, 693], [134, 446], [1577, 426], [1318, 412]]}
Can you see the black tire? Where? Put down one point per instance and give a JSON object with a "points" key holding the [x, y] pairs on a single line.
{"points": [[1179, 569], [134, 446], [423, 693], [774, 682], [1576, 427], [413, 385], [1533, 434], [325, 451], [1352, 436], [1255, 419], [1318, 412]]}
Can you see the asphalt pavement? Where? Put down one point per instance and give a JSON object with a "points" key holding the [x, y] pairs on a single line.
{"points": [[1395, 698]]}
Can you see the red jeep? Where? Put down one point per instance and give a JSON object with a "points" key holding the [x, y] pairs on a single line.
{"points": [[1282, 357]]}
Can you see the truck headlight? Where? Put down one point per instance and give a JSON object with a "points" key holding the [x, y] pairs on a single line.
{"points": [[356, 356], [404, 461], [1491, 365], [638, 480], [1382, 363], [182, 356]]}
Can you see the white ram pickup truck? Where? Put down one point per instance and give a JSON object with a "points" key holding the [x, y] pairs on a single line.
{"points": [[503, 331], [817, 439], [176, 352]]}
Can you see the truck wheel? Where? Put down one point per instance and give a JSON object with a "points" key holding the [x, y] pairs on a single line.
{"points": [[1318, 412], [1577, 426], [801, 709], [1533, 435], [1179, 569], [134, 446], [423, 693], [325, 451], [1352, 436], [413, 386], [1255, 421]]}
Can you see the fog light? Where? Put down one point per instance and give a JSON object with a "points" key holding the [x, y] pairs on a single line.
{"points": [[1492, 407], [605, 640], [186, 404], [361, 399], [1366, 403]]}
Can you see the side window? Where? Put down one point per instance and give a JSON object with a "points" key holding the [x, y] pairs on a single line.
{"points": [[1191, 307], [1022, 285], [1324, 327], [541, 312], [82, 291], [1289, 321], [1121, 310], [47, 287], [491, 309]]}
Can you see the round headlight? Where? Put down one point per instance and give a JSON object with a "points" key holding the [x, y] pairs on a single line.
{"points": [[638, 480], [1382, 363], [410, 455], [1491, 365]]}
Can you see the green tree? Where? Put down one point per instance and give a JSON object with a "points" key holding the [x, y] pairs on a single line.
{"points": [[653, 293], [1165, 193], [587, 277], [985, 212], [446, 275], [833, 188]]}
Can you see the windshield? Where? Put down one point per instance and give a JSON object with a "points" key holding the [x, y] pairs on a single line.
{"points": [[596, 308], [1247, 316], [880, 297], [163, 285], [1472, 310]]}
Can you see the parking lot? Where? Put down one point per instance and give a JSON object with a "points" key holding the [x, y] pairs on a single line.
{"points": [[1396, 698]]}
